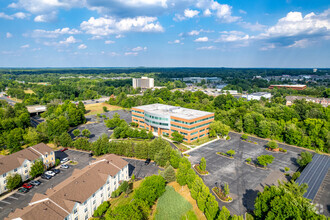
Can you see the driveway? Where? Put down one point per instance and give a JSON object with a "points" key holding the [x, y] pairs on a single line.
{"points": [[20, 200], [244, 181]]}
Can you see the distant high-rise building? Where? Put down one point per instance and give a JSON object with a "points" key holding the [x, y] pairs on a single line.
{"points": [[143, 83]]}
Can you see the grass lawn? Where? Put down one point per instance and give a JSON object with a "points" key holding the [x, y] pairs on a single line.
{"points": [[171, 205], [181, 147], [97, 108], [122, 200], [28, 91], [201, 141]]}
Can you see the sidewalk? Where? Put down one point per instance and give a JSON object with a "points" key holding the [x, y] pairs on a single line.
{"points": [[202, 145]]}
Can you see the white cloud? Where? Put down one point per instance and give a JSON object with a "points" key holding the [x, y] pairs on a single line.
{"points": [[207, 12], [193, 32], [82, 47], [9, 35], [268, 47], [46, 17], [190, 13], [131, 53], [300, 43], [207, 48], [69, 40], [242, 11], [25, 46], [109, 42], [202, 39], [233, 36], [252, 27], [18, 15], [119, 36], [39, 33], [174, 42], [106, 25], [136, 49]]}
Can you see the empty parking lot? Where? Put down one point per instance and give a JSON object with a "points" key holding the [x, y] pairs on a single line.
{"points": [[140, 169], [244, 180]]}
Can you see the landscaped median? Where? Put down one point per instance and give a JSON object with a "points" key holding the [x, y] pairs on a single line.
{"points": [[222, 194], [229, 154], [201, 167], [262, 161]]}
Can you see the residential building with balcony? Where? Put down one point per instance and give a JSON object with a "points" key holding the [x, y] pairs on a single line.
{"points": [[143, 83], [166, 119], [22, 161], [77, 197]]}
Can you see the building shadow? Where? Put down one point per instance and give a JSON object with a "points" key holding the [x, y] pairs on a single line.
{"points": [[249, 198]]}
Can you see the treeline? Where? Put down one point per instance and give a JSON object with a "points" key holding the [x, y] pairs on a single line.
{"points": [[305, 124]]}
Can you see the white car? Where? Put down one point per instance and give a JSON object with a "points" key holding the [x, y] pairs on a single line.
{"points": [[64, 166], [65, 160], [50, 173]]}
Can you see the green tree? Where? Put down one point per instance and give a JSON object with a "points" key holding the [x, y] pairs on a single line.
{"points": [[151, 189], [231, 152], [105, 109], [219, 128], [285, 201], [133, 177], [272, 145], [32, 136], [150, 135], [37, 168], [245, 137], [224, 214], [264, 160], [81, 106], [13, 181], [175, 158], [169, 174], [57, 162], [65, 139], [295, 176], [226, 189], [177, 137], [305, 158], [86, 133], [76, 132], [202, 164]]}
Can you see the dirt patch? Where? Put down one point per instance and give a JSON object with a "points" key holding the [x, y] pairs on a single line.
{"points": [[97, 108], [184, 192]]}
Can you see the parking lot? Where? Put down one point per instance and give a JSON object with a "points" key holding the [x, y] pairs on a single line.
{"points": [[20, 200], [244, 181], [140, 169]]}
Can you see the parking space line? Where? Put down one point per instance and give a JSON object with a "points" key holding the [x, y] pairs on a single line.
{"points": [[19, 193], [12, 197], [5, 202]]}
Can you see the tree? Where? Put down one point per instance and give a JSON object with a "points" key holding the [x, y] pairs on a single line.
{"points": [[37, 168], [76, 132], [169, 174], [219, 128], [105, 109], [264, 160], [226, 189], [245, 137], [305, 158], [177, 137], [57, 162], [150, 135], [81, 106], [175, 159], [133, 177], [151, 189], [231, 152], [86, 133], [13, 181], [224, 214], [285, 201], [65, 140], [202, 164], [32, 136], [272, 145], [295, 176]]}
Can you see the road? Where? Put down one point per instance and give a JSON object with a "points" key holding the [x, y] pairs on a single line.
{"points": [[2, 97], [94, 101]]}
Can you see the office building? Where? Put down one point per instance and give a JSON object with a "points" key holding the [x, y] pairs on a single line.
{"points": [[257, 96], [77, 197], [21, 162], [166, 119], [143, 83]]}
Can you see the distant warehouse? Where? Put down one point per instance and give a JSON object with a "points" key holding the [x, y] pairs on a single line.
{"points": [[294, 87], [166, 119], [257, 96]]}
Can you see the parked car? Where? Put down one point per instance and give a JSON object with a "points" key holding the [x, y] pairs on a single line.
{"points": [[65, 160], [45, 176], [23, 190], [64, 166], [147, 161], [50, 173], [27, 185], [56, 171], [64, 149], [35, 182]]}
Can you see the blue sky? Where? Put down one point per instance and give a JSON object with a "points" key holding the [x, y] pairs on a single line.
{"points": [[165, 33]]}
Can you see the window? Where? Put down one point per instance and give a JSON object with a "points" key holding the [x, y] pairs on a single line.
{"points": [[85, 209], [51, 153], [25, 165], [46, 155], [86, 217], [108, 182], [5, 181], [94, 208], [25, 171], [94, 202], [15, 170], [75, 211], [5, 188], [85, 202], [101, 188], [109, 188], [93, 195], [101, 194], [4, 175], [76, 218], [46, 161], [109, 195]]}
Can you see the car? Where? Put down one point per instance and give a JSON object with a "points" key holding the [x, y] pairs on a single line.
{"points": [[27, 185], [35, 182], [64, 160], [64, 149], [64, 166], [147, 161], [23, 190], [50, 173], [56, 171], [45, 176]]}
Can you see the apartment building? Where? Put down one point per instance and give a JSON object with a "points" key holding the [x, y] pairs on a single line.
{"points": [[294, 87], [78, 196], [143, 83], [21, 162], [166, 119]]}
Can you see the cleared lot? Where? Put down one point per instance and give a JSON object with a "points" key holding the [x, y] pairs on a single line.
{"points": [[20, 200], [244, 180]]}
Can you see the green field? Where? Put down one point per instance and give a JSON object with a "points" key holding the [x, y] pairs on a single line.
{"points": [[171, 205]]}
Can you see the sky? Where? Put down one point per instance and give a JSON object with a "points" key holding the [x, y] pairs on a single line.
{"points": [[165, 33]]}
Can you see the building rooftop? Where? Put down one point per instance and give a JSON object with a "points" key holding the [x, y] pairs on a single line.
{"points": [[12, 161], [176, 111], [59, 201], [292, 98], [259, 93], [314, 174], [290, 85]]}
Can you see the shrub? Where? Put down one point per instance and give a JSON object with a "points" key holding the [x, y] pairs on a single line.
{"points": [[295, 176], [248, 160], [13, 181], [105, 109], [122, 188], [133, 177], [245, 137], [202, 164], [169, 174], [231, 152], [286, 169], [305, 158], [57, 162], [264, 160], [101, 209], [228, 138], [272, 145]]}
